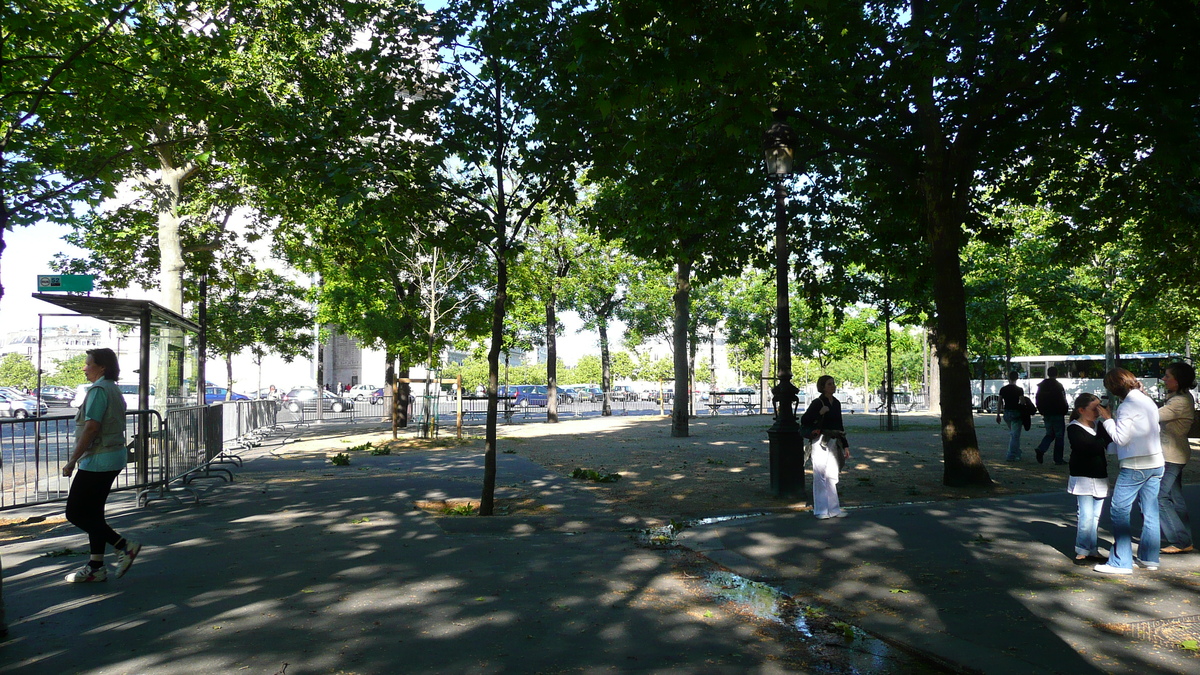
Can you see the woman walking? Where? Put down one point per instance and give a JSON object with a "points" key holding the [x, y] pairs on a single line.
{"points": [[1088, 467], [1175, 420], [1134, 431], [99, 456], [827, 437]]}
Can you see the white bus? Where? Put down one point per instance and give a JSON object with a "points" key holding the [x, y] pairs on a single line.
{"points": [[1076, 373]]}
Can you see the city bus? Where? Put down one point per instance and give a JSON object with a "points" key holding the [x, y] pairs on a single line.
{"points": [[1078, 373]]}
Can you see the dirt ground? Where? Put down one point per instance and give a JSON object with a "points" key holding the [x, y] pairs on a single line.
{"points": [[722, 466]]}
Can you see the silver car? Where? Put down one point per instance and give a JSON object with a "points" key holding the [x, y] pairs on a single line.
{"points": [[20, 406]]}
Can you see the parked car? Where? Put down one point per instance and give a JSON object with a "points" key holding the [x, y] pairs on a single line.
{"points": [[20, 406], [305, 398], [526, 395], [377, 396], [217, 395], [56, 394], [667, 394], [624, 392], [567, 395], [361, 391]]}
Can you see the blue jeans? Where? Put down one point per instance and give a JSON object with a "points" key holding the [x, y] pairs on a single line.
{"points": [[1012, 419], [1089, 523], [1173, 509], [1141, 485], [1056, 430]]}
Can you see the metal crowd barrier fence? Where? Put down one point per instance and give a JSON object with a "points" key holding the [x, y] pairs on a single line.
{"points": [[165, 451], [33, 452]]}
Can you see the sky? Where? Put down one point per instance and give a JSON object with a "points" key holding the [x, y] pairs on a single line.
{"points": [[29, 253]]}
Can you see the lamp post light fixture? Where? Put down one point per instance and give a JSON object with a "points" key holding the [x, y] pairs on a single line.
{"points": [[786, 445]]}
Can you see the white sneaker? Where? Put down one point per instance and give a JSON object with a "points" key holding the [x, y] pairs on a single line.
{"points": [[125, 558], [824, 516], [1109, 569], [840, 514], [87, 574], [1145, 565]]}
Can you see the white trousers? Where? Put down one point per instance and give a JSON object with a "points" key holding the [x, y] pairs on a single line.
{"points": [[825, 477]]}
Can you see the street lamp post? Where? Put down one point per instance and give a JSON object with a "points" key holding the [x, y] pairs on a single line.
{"points": [[786, 445]]}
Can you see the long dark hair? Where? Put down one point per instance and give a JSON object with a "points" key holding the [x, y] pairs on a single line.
{"points": [[1082, 401]]}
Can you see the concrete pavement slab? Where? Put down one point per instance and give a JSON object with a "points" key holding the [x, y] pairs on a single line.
{"points": [[988, 585]]}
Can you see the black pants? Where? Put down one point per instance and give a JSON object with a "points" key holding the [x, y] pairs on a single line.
{"points": [[85, 507]]}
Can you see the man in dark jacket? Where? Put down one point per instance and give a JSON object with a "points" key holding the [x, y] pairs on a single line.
{"points": [[1052, 403]]}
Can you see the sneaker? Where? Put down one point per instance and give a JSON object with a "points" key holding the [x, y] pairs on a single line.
{"points": [[840, 514], [1041, 456], [1175, 549], [824, 516], [125, 558], [1145, 565], [1109, 569], [87, 574]]}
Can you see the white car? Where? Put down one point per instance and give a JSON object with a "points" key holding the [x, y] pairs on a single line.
{"points": [[361, 391]]}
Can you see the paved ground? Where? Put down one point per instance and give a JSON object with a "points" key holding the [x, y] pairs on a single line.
{"points": [[301, 567]]}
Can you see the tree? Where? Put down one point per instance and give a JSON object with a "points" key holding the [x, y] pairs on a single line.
{"points": [[597, 291], [16, 370], [67, 372], [546, 263], [918, 102], [256, 310], [502, 176], [66, 67]]}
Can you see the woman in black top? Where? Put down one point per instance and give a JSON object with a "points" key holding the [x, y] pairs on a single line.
{"points": [[1010, 411], [826, 435], [1089, 473]]}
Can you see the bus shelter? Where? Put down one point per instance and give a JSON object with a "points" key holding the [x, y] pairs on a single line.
{"points": [[168, 367]]}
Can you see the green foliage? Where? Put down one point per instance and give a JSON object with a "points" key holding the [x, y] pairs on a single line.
{"points": [[340, 459], [16, 370], [363, 447], [459, 510], [67, 372], [595, 476], [381, 450]]}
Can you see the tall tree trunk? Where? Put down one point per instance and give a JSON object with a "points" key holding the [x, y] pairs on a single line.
{"points": [[1112, 343], [963, 464], [681, 300], [551, 361], [389, 388], [605, 368], [487, 501], [228, 377], [404, 392]]}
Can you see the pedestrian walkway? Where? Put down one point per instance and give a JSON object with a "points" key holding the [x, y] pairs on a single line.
{"points": [[984, 585], [303, 567]]}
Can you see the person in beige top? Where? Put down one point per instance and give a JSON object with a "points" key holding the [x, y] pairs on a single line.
{"points": [[1175, 419]]}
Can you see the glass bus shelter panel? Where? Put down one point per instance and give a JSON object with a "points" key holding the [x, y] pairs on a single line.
{"points": [[174, 368]]}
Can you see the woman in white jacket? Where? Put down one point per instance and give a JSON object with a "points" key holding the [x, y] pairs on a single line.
{"points": [[1134, 432]]}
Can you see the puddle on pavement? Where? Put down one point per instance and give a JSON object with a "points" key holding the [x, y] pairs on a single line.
{"points": [[834, 646], [840, 647]]}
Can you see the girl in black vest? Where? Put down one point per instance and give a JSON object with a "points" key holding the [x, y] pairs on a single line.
{"points": [[1089, 473]]}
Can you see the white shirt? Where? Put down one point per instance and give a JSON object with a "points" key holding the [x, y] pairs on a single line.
{"points": [[1135, 432]]}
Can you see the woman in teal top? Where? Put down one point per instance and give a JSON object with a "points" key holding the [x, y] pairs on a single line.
{"points": [[99, 455]]}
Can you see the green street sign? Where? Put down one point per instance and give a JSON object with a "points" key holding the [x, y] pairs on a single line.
{"points": [[72, 283]]}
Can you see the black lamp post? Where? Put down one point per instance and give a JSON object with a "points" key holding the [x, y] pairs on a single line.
{"points": [[786, 445]]}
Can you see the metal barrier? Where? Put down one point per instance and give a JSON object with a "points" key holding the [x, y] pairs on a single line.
{"points": [[33, 452]]}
